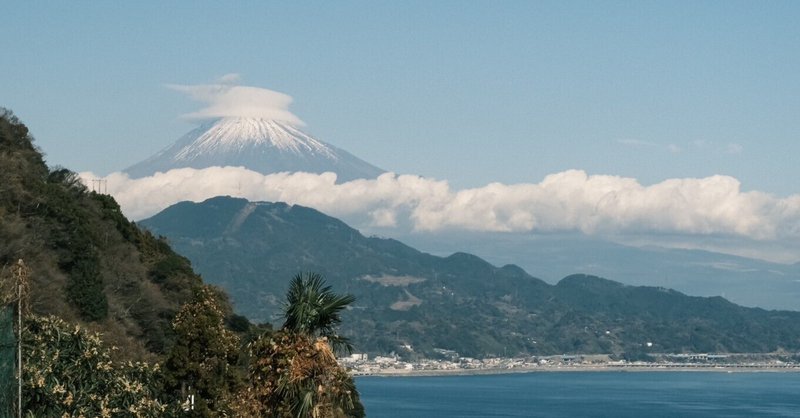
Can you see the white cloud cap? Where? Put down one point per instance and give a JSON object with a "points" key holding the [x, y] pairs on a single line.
{"points": [[226, 100]]}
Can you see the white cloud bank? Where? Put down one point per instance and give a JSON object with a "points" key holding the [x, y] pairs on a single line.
{"points": [[566, 201], [226, 100]]}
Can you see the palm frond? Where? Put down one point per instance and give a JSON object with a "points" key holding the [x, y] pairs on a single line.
{"points": [[311, 307]]}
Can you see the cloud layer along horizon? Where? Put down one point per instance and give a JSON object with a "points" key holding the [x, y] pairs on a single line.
{"points": [[226, 100], [565, 201]]}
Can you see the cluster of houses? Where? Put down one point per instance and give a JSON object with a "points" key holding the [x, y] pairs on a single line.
{"points": [[450, 363]]}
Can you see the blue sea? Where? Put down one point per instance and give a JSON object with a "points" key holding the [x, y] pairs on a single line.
{"points": [[585, 394]]}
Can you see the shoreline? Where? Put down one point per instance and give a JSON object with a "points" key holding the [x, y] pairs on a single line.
{"points": [[587, 368]]}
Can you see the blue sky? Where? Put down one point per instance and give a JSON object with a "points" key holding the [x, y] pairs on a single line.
{"points": [[671, 123], [470, 92]]}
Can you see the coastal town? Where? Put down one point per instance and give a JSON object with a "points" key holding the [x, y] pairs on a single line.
{"points": [[361, 365]]}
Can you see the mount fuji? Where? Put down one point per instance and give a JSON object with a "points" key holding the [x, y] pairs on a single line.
{"points": [[263, 145]]}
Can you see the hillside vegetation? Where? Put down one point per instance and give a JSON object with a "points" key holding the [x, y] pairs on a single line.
{"points": [[115, 323], [91, 266], [413, 303]]}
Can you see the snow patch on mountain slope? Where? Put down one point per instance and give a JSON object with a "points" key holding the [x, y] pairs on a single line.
{"points": [[238, 134]]}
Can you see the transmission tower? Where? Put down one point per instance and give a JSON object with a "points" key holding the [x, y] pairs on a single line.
{"points": [[100, 186]]}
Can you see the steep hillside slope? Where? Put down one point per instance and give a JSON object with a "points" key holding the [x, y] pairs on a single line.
{"points": [[89, 264]]}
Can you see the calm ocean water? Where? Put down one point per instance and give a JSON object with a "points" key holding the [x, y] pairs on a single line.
{"points": [[585, 394]]}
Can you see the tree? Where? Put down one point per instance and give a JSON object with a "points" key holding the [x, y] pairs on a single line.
{"points": [[293, 372], [202, 361], [312, 309]]}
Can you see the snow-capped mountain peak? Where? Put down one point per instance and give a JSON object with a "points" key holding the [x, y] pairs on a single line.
{"points": [[263, 145], [232, 134]]}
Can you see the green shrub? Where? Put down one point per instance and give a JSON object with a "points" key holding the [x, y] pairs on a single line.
{"points": [[69, 372]]}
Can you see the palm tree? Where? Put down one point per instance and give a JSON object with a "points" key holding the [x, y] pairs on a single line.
{"points": [[294, 372], [312, 309]]}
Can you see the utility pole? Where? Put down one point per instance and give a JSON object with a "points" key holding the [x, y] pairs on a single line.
{"points": [[19, 340], [21, 273]]}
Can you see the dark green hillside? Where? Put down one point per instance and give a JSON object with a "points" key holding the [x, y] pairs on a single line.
{"points": [[410, 302], [674, 321], [89, 264]]}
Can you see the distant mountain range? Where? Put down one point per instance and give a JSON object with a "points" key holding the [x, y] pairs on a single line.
{"points": [[262, 145], [413, 303], [745, 281]]}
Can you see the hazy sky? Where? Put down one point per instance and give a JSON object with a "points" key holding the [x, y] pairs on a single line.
{"points": [[469, 92]]}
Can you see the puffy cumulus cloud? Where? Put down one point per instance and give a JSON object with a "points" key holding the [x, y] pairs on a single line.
{"points": [[566, 201], [227, 100]]}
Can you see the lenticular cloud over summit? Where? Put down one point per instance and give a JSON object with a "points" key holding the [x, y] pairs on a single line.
{"points": [[226, 101]]}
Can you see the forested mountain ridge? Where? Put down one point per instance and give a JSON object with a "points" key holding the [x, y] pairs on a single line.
{"points": [[413, 303], [89, 265]]}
